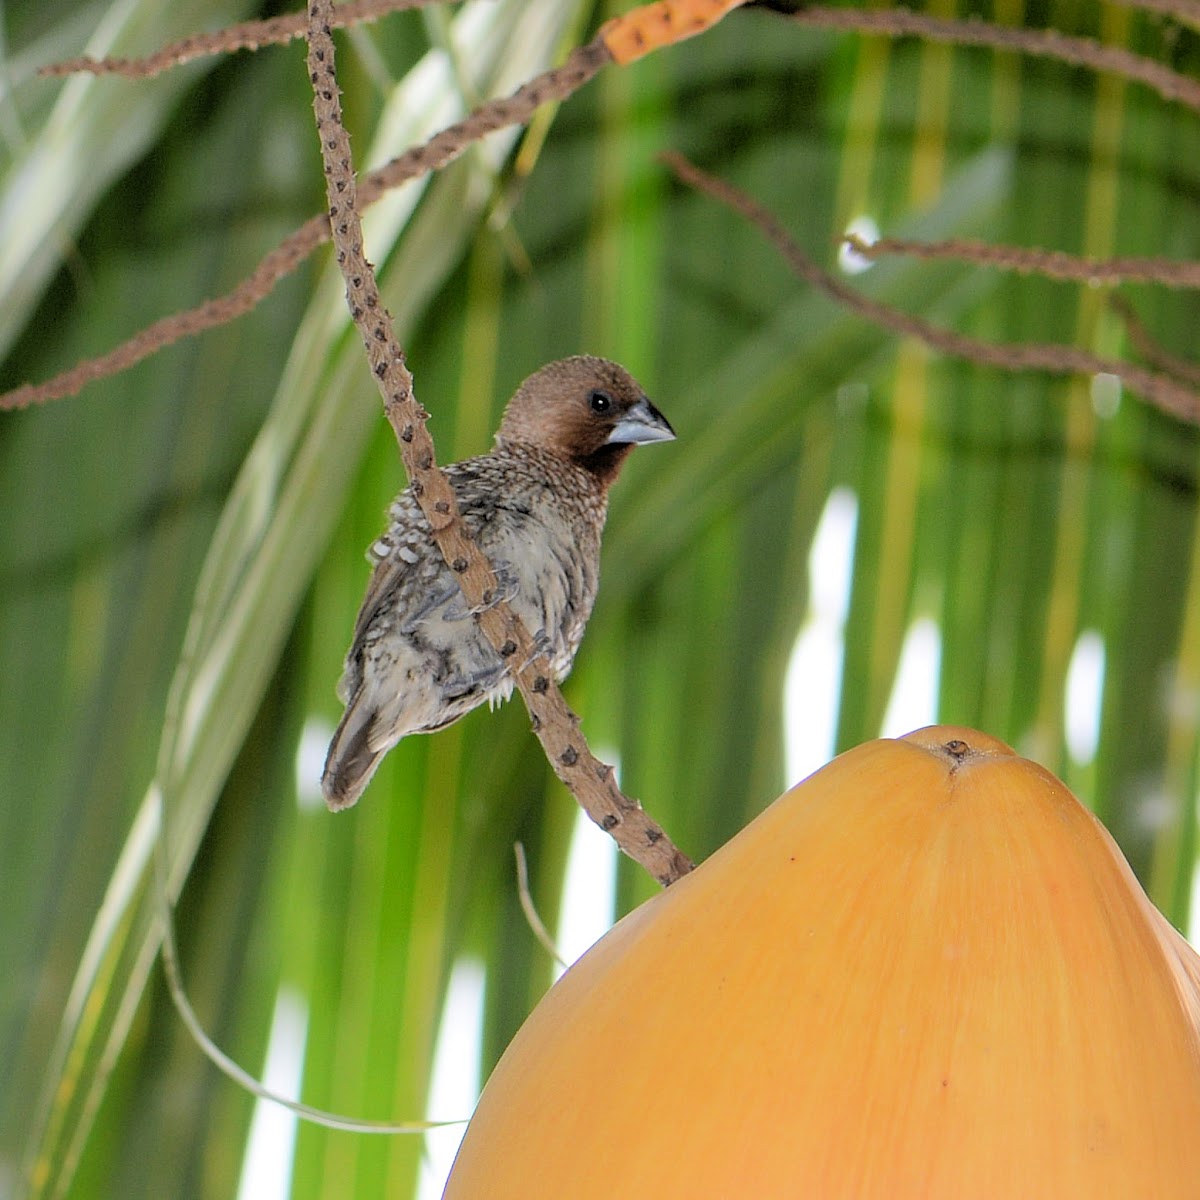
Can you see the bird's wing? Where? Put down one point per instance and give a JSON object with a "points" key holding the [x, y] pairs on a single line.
{"points": [[392, 575], [408, 562]]}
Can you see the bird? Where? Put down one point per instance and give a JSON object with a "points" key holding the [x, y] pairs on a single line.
{"points": [[536, 506]]}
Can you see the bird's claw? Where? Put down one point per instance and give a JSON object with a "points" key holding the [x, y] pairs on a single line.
{"points": [[506, 588], [542, 646]]}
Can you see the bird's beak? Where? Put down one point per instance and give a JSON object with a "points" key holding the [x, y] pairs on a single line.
{"points": [[642, 423]]}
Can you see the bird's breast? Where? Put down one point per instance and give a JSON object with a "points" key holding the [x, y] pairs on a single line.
{"points": [[550, 560]]}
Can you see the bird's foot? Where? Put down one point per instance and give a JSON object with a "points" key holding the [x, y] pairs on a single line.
{"points": [[506, 588], [542, 646]]}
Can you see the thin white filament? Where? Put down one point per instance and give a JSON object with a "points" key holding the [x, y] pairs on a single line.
{"points": [[213, 1052]]}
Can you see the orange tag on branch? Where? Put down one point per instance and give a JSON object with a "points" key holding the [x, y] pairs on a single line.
{"points": [[650, 26]]}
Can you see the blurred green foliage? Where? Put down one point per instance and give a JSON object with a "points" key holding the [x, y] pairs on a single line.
{"points": [[180, 548]]}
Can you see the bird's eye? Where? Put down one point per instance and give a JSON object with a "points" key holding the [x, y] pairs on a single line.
{"points": [[600, 402]]}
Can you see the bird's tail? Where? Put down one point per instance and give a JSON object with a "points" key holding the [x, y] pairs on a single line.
{"points": [[351, 761]]}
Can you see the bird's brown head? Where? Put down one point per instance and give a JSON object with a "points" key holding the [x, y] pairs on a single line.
{"points": [[588, 410]]}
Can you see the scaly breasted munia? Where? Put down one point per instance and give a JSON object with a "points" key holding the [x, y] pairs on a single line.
{"points": [[536, 507]]}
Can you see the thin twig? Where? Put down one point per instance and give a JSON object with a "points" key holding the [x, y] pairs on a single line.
{"points": [[530, 909], [1046, 43], [592, 782], [249, 35], [1026, 260], [556, 84], [1186, 12], [1148, 347], [1161, 390], [259, 284]]}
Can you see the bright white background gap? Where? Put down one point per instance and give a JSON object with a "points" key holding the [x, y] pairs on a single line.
{"points": [[454, 1088], [267, 1164], [812, 685], [586, 914]]}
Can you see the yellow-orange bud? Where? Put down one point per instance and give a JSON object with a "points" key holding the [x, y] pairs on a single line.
{"points": [[927, 971]]}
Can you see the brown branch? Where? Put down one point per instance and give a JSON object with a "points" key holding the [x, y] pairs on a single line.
{"points": [[1148, 347], [1046, 43], [249, 35], [556, 84], [284, 259], [1161, 390], [592, 782], [1052, 264], [1186, 12]]}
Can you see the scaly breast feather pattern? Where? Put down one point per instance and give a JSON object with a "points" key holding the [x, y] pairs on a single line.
{"points": [[538, 518]]}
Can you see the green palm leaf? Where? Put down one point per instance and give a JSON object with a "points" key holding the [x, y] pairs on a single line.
{"points": [[180, 555]]}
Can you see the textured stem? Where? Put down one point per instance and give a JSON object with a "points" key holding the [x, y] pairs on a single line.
{"points": [[591, 781], [248, 35], [1031, 260], [1044, 43]]}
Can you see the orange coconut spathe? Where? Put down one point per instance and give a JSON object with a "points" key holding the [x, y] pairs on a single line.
{"points": [[924, 972]]}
